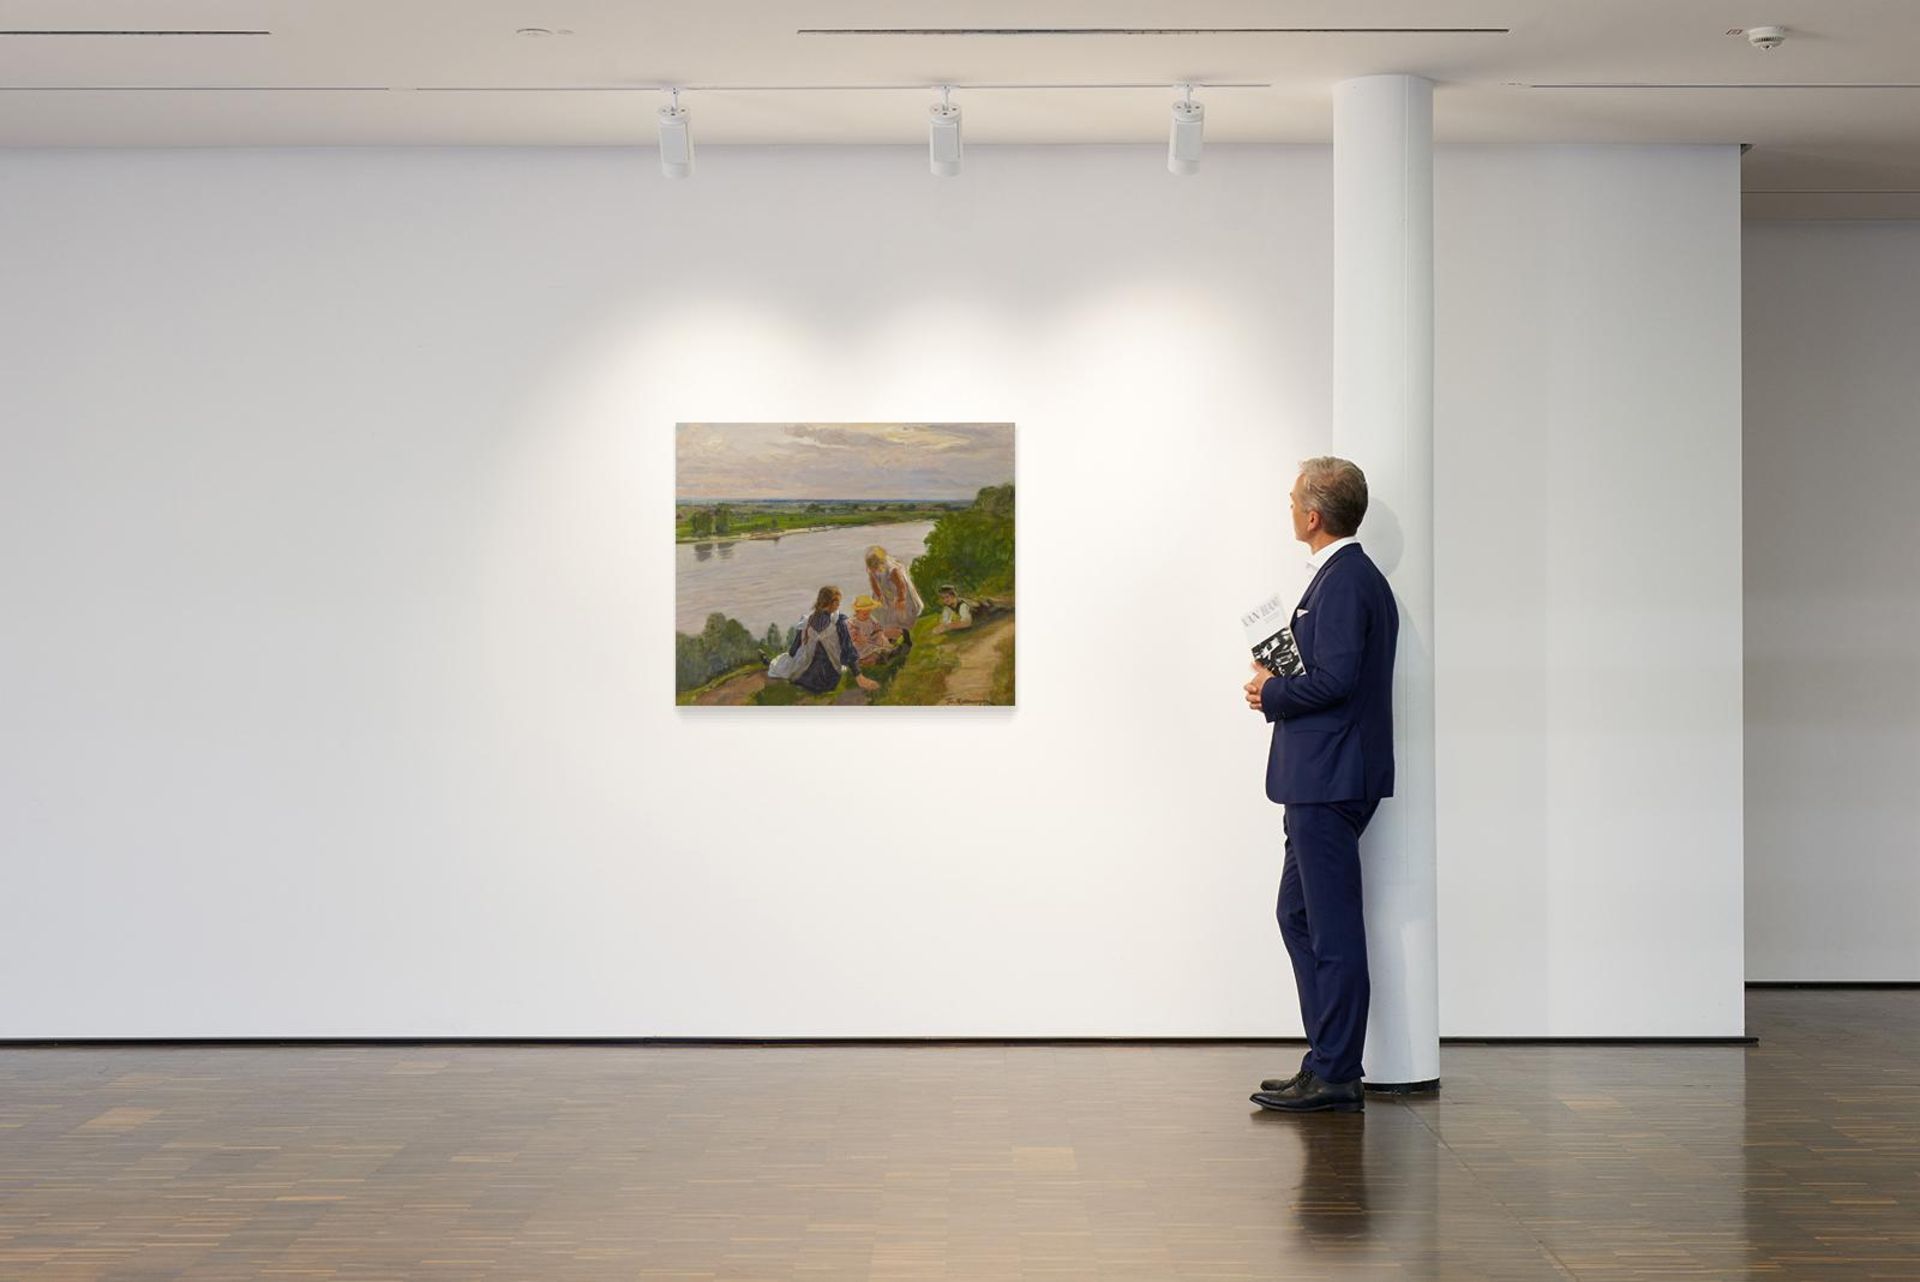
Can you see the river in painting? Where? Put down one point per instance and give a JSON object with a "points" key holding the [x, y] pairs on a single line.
{"points": [[763, 581]]}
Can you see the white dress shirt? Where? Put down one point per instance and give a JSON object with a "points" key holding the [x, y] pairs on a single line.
{"points": [[1325, 554]]}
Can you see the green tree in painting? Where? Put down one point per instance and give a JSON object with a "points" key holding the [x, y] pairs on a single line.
{"points": [[971, 548], [724, 644], [775, 642], [723, 519], [700, 523]]}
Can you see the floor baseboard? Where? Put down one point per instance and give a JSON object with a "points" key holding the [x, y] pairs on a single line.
{"points": [[237, 1043], [1865, 984]]}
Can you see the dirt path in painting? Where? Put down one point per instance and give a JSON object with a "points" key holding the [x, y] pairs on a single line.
{"points": [[734, 691], [971, 680]]}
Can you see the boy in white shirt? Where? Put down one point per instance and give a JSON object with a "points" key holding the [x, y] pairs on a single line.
{"points": [[955, 614]]}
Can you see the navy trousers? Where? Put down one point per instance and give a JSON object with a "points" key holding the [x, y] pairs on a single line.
{"points": [[1326, 931]]}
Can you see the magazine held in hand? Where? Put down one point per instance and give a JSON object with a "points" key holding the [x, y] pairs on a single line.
{"points": [[1271, 638]]}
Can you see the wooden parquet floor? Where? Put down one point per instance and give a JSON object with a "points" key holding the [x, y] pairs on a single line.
{"points": [[1796, 1158]]}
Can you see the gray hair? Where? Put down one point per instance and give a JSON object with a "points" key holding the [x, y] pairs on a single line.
{"points": [[1337, 490]]}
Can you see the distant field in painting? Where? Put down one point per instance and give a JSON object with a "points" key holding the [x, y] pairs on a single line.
{"points": [[772, 519], [764, 518]]}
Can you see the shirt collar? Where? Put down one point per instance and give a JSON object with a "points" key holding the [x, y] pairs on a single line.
{"points": [[1325, 554]]}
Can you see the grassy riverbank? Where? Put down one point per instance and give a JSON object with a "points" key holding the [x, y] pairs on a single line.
{"points": [[972, 666]]}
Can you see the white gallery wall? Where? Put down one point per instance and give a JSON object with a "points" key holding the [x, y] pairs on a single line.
{"points": [[1587, 574], [335, 692], [1833, 601]]}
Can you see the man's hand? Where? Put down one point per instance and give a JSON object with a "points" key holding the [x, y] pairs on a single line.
{"points": [[1260, 678]]}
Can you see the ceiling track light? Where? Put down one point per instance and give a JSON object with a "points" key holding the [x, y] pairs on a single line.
{"points": [[1187, 135], [676, 138], [943, 135]]}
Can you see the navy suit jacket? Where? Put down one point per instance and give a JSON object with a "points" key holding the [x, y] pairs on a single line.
{"points": [[1333, 726]]}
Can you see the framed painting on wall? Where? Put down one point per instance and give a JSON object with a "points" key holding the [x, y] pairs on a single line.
{"points": [[843, 564]]}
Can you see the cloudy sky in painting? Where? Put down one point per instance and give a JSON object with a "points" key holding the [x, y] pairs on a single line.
{"points": [[842, 460]]}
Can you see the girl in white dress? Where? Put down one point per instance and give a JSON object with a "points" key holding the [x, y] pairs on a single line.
{"points": [[900, 602]]}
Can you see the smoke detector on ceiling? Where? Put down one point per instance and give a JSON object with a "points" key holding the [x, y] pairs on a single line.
{"points": [[1766, 37]]}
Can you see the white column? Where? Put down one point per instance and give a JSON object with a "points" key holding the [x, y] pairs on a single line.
{"points": [[1383, 420]]}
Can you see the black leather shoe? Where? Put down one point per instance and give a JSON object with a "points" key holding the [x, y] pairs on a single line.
{"points": [[1313, 1095], [1273, 1084]]}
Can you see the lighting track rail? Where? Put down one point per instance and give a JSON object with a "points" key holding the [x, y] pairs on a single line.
{"points": [[1152, 31], [659, 88], [135, 33]]}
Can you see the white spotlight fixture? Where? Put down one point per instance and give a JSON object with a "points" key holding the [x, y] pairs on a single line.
{"points": [[943, 135], [1185, 138], [676, 139]]}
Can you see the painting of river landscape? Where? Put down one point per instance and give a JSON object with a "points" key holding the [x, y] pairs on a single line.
{"points": [[843, 564]]}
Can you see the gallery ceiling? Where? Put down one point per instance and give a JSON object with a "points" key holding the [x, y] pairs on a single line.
{"points": [[1833, 115]]}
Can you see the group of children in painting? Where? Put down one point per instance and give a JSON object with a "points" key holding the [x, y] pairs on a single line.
{"points": [[828, 643]]}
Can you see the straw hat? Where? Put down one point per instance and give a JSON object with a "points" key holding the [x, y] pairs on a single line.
{"points": [[865, 603]]}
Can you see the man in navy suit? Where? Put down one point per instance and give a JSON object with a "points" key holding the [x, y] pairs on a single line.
{"points": [[1330, 763]]}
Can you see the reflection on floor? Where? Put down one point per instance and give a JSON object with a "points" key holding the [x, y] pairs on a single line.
{"points": [[1797, 1158]]}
